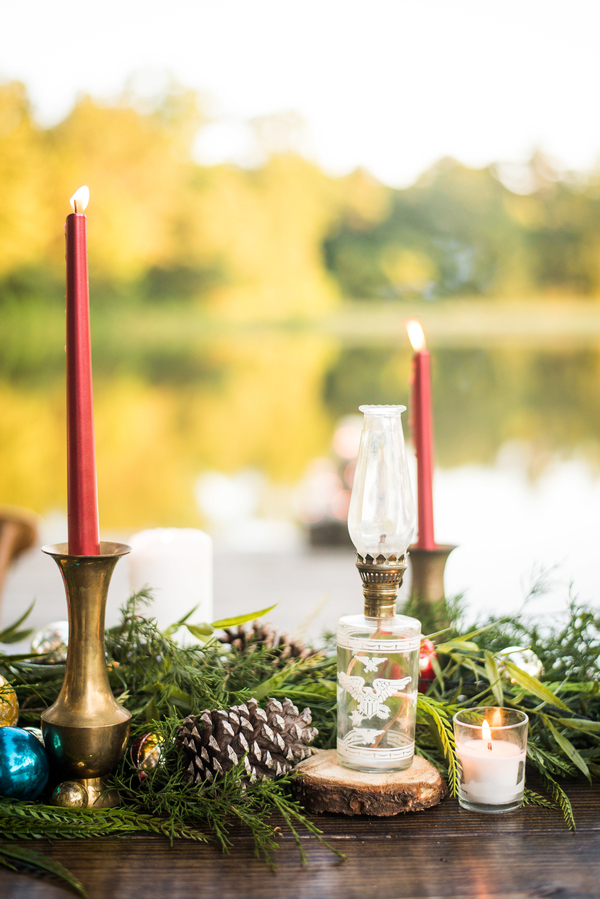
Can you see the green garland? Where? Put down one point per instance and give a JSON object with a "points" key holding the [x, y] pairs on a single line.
{"points": [[161, 682]]}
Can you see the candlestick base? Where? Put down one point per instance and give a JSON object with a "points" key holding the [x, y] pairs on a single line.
{"points": [[428, 567]]}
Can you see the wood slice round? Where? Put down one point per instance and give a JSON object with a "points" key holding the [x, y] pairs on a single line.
{"points": [[324, 786]]}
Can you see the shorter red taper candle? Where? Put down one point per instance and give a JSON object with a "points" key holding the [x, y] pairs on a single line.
{"points": [[422, 431], [82, 492]]}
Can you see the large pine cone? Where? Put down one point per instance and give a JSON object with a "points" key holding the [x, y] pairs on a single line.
{"points": [[284, 648], [270, 741]]}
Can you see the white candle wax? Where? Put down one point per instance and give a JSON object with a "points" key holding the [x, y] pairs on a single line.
{"points": [[177, 565], [493, 771]]}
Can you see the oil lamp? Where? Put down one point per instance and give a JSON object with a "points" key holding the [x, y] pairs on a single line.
{"points": [[378, 651]]}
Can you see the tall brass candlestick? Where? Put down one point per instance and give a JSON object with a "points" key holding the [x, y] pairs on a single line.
{"points": [[86, 730], [428, 567]]}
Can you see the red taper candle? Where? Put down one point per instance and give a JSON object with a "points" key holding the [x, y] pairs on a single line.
{"points": [[81, 454], [422, 430]]}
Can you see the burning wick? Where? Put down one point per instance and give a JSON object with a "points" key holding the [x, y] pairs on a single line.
{"points": [[81, 198], [486, 734]]}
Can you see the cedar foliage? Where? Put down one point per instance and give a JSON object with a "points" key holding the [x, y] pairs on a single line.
{"points": [[161, 683]]}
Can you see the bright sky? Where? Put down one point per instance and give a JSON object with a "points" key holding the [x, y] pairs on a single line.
{"points": [[392, 85]]}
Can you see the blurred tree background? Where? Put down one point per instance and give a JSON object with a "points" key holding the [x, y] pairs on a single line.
{"points": [[222, 303]]}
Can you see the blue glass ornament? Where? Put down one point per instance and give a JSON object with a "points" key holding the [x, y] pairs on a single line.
{"points": [[23, 764]]}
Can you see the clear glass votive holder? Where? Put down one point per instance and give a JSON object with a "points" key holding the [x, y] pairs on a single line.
{"points": [[491, 746]]}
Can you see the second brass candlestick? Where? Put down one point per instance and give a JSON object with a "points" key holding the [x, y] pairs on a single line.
{"points": [[427, 568]]}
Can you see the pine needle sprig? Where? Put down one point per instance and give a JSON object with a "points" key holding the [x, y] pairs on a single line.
{"points": [[159, 677], [22, 820], [214, 807], [548, 762], [156, 678], [561, 799], [161, 683], [25, 860], [530, 797], [12, 634], [438, 719], [291, 811]]}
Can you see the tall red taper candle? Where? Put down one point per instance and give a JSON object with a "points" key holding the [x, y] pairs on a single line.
{"points": [[422, 429], [81, 455]]}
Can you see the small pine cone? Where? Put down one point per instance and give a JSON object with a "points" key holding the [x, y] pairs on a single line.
{"points": [[263, 634], [270, 741]]}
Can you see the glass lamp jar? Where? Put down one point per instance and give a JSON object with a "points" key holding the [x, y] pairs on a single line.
{"points": [[378, 675], [378, 651]]}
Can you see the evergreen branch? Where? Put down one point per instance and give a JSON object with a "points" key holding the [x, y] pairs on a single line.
{"points": [[494, 677], [291, 811], [12, 634], [22, 820], [546, 761], [439, 715], [161, 682], [20, 858], [561, 799], [530, 797], [568, 748]]}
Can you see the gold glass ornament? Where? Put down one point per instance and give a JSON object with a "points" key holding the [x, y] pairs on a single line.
{"points": [[9, 704], [146, 753], [70, 794]]}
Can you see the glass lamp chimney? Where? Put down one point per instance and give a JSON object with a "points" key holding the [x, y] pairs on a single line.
{"points": [[381, 518]]}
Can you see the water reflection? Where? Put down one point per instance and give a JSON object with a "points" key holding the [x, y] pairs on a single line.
{"points": [[484, 397], [517, 447], [513, 532]]}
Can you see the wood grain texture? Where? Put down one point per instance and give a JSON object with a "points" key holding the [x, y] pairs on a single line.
{"points": [[442, 853], [325, 786]]}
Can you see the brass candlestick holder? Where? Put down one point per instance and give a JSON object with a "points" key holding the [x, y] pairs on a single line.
{"points": [[86, 730], [428, 567]]}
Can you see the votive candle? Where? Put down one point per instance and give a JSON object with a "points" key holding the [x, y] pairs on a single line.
{"points": [[491, 746]]}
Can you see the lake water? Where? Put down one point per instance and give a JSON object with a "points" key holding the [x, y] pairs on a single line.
{"points": [[517, 487], [511, 530], [507, 530]]}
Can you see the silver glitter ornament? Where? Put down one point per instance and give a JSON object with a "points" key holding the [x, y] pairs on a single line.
{"points": [[52, 639]]}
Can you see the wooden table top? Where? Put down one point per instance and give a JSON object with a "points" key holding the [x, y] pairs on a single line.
{"points": [[442, 853]]}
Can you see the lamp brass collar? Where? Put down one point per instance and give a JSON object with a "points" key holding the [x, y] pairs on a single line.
{"points": [[381, 581]]}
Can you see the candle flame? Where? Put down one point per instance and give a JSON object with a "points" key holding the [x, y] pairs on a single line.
{"points": [[415, 334], [496, 718], [486, 734], [80, 199]]}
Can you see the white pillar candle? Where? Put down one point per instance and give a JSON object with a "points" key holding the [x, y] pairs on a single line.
{"points": [[177, 565]]}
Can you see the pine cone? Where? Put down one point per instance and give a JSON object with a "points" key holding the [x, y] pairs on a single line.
{"points": [[284, 648], [270, 741]]}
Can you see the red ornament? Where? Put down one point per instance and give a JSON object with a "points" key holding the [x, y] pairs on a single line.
{"points": [[426, 670]]}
